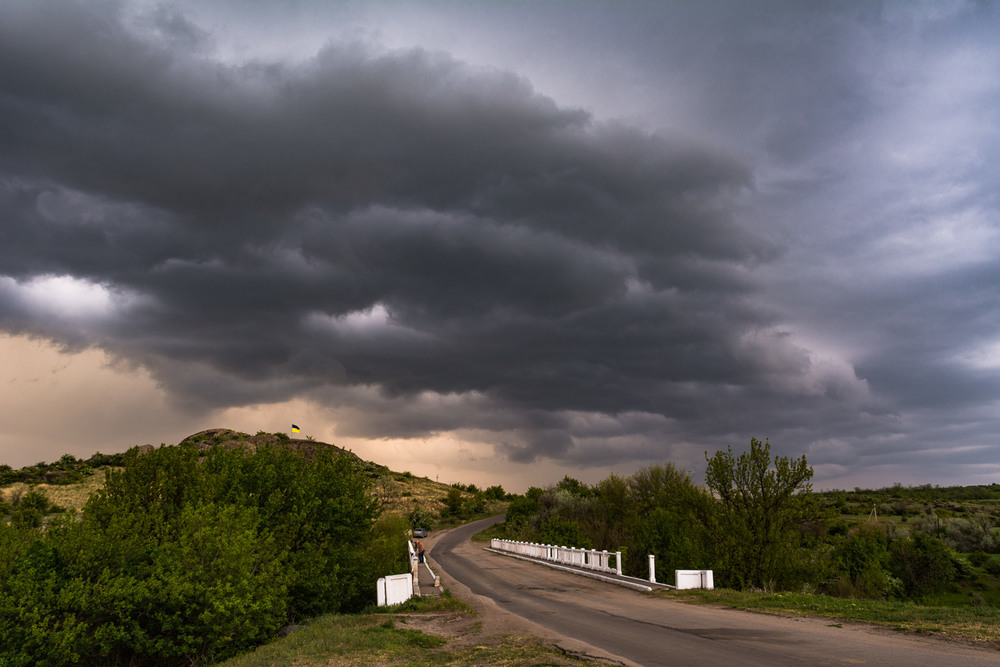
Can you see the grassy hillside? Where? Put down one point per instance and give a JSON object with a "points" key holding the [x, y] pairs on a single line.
{"points": [[70, 482]]}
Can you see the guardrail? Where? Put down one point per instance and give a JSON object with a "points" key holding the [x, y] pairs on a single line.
{"points": [[591, 559]]}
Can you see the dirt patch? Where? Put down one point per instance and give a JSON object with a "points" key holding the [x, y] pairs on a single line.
{"points": [[487, 640], [446, 624]]}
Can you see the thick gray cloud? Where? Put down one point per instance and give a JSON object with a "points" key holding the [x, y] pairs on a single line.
{"points": [[730, 246]]}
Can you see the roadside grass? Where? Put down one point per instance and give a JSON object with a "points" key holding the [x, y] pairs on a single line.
{"points": [[366, 639], [980, 624], [490, 508], [496, 530], [379, 637]]}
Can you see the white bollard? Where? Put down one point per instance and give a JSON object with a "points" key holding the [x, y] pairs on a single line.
{"points": [[652, 568]]}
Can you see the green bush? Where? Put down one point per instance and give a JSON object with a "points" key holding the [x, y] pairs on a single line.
{"points": [[185, 558], [453, 502], [474, 505], [923, 563], [420, 518], [862, 560], [30, 508], [980, 558]]}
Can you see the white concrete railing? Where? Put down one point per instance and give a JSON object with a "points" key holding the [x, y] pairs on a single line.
{"points": [[590, 559], [685, 579]]}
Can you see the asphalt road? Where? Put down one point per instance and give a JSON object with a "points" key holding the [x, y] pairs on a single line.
{"points": [[638, 628]]}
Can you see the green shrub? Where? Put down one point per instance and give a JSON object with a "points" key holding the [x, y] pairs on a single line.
{"points": [[475, 505], [924, 564], [862, 560], [980, 558], [453, 501], [183, 558], [420, 518]]}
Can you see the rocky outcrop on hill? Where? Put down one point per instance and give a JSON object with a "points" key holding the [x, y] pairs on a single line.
{"points": [[230, 439]]}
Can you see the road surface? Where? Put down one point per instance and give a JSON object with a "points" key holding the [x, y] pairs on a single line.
{"points": [[637, 628]]}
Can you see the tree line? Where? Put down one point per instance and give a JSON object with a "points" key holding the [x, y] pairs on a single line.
{"points": [[758, 525], [67, 470]]}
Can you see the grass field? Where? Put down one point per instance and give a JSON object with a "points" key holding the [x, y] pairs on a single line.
{"points": [[980, 624]]}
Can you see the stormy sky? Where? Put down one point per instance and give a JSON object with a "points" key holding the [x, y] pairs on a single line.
{"points": [[501, 242]]}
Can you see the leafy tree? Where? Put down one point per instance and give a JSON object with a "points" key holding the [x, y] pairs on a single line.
{"points": [[385, 489], [610, 517], [453, 501], [474, 505], [420, 518], [519, 513], [574, 486], [673, 519], [563, 532], [495, 493], [387, 548], [534, 493], [760, 505]]}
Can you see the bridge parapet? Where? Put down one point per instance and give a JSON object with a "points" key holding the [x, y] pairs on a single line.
{"points": [[591, 559]]}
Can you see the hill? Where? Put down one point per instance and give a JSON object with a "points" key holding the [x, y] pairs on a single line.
{"points": [[230, 439], [398, 492]]}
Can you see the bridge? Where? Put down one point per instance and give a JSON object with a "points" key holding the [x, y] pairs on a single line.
{"points": [[634, 627]]}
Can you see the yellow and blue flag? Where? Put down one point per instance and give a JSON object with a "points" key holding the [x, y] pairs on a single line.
{"points": [[295, 429]]}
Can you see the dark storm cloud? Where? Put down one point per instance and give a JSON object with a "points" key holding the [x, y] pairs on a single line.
{"points": [[426, 245]]}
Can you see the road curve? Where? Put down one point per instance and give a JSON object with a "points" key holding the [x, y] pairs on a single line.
{"points": [[638, 628]]}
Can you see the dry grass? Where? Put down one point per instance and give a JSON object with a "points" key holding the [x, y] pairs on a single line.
{"points": [[68, 496], [412, 491], [398, 492], [406, 492]]}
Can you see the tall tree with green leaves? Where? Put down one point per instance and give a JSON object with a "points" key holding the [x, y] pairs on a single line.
{"points": [[673, 520], [760, 507]]}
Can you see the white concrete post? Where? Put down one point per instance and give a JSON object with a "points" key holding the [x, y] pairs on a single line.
{"points": [[618, 562], [652, 568]]}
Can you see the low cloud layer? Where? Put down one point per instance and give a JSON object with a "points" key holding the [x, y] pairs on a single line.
{"points": [[422, 246]]}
